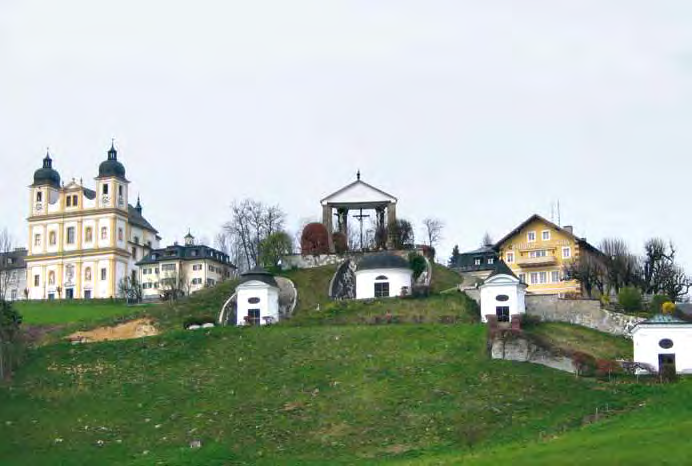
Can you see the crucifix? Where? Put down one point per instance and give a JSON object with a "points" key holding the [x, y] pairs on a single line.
{"points": [[360, 218]]}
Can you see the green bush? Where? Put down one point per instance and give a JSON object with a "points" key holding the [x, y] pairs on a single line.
{"points": [[630, 298], [655, 306], [417, 263]]}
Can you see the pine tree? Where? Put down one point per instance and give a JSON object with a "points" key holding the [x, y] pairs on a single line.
{"points": [[455, 256]]}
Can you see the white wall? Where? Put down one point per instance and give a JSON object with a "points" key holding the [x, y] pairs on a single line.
{"points": [[268, 301], [502, 285], [646, 340], [397, 278]]}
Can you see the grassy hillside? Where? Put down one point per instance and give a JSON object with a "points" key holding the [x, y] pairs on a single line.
{"points": [[73, 311], [452, 308], [284, 395], [571, 338], [443, 279], [657, 433]]}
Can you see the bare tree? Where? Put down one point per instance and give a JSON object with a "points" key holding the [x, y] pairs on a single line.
{"points": [[130, 289], [622, 267], [174, 284], [5, 266], [433, 230], [221, 242], [661, 274], [589, 271], [251, 222]]}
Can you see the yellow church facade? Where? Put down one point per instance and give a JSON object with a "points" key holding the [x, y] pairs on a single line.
{"points": [[83, 242], [538, 250]]}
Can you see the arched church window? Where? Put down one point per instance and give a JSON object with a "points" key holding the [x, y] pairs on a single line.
{"points": [[52, 238], [381, 277], [39, 196], [51, 278], [104, 233], [87, 274], [89, 234]]}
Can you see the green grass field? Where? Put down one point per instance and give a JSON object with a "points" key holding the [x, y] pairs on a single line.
{"points": [[327, 388], [72, 311], [284, 395]]}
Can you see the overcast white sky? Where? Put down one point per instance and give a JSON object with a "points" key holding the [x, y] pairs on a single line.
{"points": [[479, 113]]}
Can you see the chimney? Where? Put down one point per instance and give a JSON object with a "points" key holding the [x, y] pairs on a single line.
{"points": [[569, 228]]}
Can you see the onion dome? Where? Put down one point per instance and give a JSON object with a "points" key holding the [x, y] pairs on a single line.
{"points": [[112, 168], [260, 275], [382, 260], [47, 174]]}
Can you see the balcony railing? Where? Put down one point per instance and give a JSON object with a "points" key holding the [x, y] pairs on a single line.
{"points": [[536, 261], [553, 244]]}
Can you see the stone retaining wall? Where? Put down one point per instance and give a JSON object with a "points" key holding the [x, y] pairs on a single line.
{"points": [[584, 312], [518, 348]]}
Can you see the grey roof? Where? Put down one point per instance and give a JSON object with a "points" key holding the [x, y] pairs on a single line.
{"points": [[89, 193], [135, 217], [502, 269], [13, 260], [258, 274], [47, 174], [663, 319], [382, 260], [482, 250], [186, 253], [112, 167]]}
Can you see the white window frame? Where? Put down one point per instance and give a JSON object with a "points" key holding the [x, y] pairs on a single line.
{"points": [[553, 275], [543, 277], [567, 249], [491, 260], [528, 236], [477, 261], [543, 235], [510, 257], [534, 278]]}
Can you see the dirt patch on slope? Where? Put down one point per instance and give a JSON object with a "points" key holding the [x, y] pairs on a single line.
{"points": [[134, 329]]}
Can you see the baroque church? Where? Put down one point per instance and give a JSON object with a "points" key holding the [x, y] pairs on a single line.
{"points": [[83, 242]]}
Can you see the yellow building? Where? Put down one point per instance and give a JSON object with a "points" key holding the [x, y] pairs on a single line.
{"points": [[537, 252], [83, 242]]}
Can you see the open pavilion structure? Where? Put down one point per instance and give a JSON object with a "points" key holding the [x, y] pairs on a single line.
{"points": [[357, 197]]}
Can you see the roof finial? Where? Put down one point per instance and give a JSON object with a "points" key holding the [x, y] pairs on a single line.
{"points": [[358, 175], [112, 153], [139, 205], [47, 161]]}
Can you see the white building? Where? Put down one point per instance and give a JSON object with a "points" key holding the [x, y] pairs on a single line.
{"points": [[502, 294], [664, 340], [383, 275], [257, 298], [82, 242], [182, 269], [13, 275]]}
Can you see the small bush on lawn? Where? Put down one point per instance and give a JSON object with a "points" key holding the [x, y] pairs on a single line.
{"points": [[417, 263], [668, 308], [630, 299]]}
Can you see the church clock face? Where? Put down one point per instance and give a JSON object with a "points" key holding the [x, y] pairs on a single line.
{"points": [[105, 199]]}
